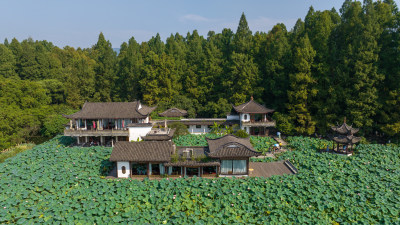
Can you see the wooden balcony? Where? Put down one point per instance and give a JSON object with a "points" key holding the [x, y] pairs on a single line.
{"points": [[261, 123], [95, 133]]}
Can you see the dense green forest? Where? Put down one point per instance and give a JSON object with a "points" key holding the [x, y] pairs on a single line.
{"points": [[329, 66]]}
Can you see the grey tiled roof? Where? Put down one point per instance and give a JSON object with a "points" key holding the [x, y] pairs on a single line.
{"points": [[252, 107], [112, 110], [345, 129], [349, 139], [173, 112], [159, 137], [144, 151], [231, 146], [198, 151]]}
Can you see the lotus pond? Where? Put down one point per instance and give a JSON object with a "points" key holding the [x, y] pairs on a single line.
{"points": [[55, 184]]}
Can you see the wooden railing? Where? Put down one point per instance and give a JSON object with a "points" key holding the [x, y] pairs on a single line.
{"points": [[261, 123], [110, 132]]}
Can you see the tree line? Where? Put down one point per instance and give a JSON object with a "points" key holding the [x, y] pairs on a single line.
{"points": [[330, 66]]}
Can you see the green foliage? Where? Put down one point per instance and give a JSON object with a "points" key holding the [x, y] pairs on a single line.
{"points": [[8, 153], [329, 66], [262, 144], [57, 184], [7, 62], [241, 133], [104, 69], [283, 123], [181, 129], [194, 139], [301, 90]]}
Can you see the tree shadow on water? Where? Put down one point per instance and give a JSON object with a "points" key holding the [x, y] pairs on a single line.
{"points": [[66, 141], [105, 167]]}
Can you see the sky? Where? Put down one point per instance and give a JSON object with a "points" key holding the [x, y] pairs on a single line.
{"points": [[77, 23]]}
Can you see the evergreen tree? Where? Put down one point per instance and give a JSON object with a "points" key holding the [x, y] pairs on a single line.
{"points": [[156, 44], [242, 78], [158, 81], [301, 88], [7, 62], [105, 58], [357, 68], [319, 26], [6, 42], [195, 68], [129, 66], [276, 65], [243, 38]]}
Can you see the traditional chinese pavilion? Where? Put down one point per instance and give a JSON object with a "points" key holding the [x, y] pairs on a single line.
{"points": [[344, 138]]}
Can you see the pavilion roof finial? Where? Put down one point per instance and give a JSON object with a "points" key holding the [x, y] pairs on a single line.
{"points": [[344, 120], [251, 98]]}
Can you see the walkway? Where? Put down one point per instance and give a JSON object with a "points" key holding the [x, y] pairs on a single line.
{"points": [[262, 169], [282, 142]]}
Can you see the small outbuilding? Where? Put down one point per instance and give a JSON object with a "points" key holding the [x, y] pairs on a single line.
{"points": [[224, 156], [173, 112]]}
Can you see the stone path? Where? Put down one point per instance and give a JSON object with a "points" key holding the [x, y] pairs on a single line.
{"points": [[282, 142]]}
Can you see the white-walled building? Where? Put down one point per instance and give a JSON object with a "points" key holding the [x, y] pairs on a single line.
{"points": [[253, 117], [105, 123]]}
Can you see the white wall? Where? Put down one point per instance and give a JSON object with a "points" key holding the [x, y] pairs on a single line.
{"points": [[145, 120], [193, 130], [137, 132], [232, 117], [242, 117], [246, 128], [119, 169]]}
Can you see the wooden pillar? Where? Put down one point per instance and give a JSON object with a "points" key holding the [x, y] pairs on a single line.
{"points": [[148, 169], [199, 173], [85, 125], [86, 139], [77, 140], [247, 166]]}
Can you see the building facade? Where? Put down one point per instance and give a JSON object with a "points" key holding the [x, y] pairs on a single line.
{"points": [[225, 156], [105, 123]]}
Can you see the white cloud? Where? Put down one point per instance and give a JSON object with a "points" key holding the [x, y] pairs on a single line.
{"points": [[194, 18]]}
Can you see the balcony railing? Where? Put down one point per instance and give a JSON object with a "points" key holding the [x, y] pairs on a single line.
{"points": [[263, 123], [94, 132]]}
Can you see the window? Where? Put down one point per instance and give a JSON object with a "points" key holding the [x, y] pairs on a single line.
{"points": [[123, 169], [233, 166], [245, 117], [198, 126]]}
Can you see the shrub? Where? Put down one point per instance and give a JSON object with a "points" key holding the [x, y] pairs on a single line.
{"points": [[241, 133], [180, 129]]}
